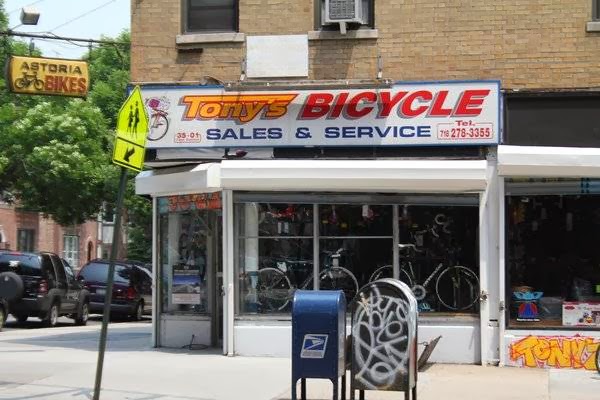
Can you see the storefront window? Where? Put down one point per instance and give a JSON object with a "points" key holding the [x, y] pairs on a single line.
{"points": [[355, 240], [187, 252], [553, 266], [437, 254], [275, 254]]}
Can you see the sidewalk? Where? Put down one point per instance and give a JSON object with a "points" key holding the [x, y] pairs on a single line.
{"points": [[60, 364]]}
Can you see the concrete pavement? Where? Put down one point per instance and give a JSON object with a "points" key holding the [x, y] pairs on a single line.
{"points": [[60, 363]]}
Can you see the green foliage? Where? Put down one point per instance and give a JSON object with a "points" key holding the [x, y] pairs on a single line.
{"points": [[55, 160], [109, 75], [56, 151], [139, 210]]}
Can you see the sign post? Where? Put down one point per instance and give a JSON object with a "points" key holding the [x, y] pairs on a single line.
{"points": [[129, 149]]}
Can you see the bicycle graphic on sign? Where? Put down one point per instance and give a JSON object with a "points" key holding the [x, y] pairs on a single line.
{"points": [[159, 120]]}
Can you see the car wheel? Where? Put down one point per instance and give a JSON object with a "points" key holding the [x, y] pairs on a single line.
{"points": [[139, 312], [84, 314], [51, 318], [2, 317], [21, 318]]}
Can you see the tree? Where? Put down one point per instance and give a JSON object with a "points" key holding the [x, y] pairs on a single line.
{"points": [[55, 150], [109, 73]]}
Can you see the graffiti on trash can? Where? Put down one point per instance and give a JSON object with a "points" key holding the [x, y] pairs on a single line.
{"points": [[380, 337], [555, 352]]}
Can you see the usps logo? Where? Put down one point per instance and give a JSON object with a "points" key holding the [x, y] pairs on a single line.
{"points": [[314, 346]]}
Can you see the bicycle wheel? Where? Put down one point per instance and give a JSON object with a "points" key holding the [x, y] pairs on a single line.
{"points": [[20, 83], [387, 271], [158, 128], [38, 84], [339, 278], [598, 360], [273, 289], [457, 288]]}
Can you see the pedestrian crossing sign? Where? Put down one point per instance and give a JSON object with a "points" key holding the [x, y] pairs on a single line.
{"points": [[132, 129]]}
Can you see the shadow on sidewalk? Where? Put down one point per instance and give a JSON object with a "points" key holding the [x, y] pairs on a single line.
{"points": [[53, 392], [122, 339]]}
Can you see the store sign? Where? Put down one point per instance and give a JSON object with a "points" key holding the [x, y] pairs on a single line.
{"points": [[48, 76], [445, 113], [201, 201], [554, 352]]}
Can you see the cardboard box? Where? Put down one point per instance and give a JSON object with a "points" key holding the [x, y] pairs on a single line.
{"points": [[578, 313]]}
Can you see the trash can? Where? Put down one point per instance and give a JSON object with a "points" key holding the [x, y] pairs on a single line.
{"points": [[384, 338], [318, 337]]}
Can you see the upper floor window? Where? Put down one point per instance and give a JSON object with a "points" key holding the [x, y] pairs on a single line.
{"points": [[341, 7], [71, 249], [211, 16], [595, 10], [25, 240]]}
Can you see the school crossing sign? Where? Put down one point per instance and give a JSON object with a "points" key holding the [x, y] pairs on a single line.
{"points": [[132, 129]]}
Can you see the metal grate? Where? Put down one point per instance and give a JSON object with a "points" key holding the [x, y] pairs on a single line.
{"points": [[342, 9]]}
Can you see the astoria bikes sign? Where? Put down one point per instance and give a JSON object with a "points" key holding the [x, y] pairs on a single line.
{"points": [[47, 76], [437, 113]]}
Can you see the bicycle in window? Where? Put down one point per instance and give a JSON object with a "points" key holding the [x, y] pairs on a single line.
{"points": [[456, 286], [275, 286]]}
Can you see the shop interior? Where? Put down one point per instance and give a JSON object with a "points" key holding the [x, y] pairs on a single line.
{"points": [[353, 242], [553, 262]]}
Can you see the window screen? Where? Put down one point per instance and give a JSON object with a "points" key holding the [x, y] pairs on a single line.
{"points": [[212, 15]]}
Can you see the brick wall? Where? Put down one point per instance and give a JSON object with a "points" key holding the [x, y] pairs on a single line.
{"points": [[48, 234], [525, 43]]}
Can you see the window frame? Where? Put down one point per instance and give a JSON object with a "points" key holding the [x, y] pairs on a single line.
{"points": [[321, 26], [72, 256], [29, 238], [185, 20], [322, 200], [535, 189], [595, 10]]}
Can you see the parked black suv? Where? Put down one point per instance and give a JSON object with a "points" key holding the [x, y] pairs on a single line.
{"points": [[3, 312], [41, 285], [132, 289]]}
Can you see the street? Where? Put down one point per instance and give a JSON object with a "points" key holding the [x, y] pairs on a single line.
{"points": [[59, 363], [36, 323]]}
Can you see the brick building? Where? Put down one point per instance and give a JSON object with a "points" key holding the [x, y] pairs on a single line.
{"points": [[291, 138], [30, 231]]}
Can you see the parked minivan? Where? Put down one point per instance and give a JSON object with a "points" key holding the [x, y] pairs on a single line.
{"points": [[132, 288]]}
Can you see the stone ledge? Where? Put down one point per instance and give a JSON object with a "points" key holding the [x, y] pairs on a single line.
{"points": [[335, 35], [196, 38]]}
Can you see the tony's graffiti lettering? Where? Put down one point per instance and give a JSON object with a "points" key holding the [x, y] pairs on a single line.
{"points": [[555, 351]]}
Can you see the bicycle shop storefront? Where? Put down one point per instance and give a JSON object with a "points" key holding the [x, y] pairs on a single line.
{"points": [[234, 237], [549, 171]]}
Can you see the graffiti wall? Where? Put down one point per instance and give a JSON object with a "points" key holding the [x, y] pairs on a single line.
{"points": [[554, 352]]}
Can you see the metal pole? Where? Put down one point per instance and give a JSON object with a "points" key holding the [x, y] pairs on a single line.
{"points": [[109, 284]]}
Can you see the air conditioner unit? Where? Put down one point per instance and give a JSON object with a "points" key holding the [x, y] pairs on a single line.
{"points": [[343, 11]]}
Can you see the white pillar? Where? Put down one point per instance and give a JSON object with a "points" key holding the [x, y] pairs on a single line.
{"points": [[488, 265], [228, 274], [155, 274]]}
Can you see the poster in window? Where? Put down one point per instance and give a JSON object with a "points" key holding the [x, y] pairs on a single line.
{"points": [[186, 284]]}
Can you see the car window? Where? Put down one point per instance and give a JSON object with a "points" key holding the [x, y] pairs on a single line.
{"points": [[68, 271], [21, 264], [60, 269], [48, 268], [98, 272]]}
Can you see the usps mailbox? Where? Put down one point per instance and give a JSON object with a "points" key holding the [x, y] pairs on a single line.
{"points": [[318, 337]]}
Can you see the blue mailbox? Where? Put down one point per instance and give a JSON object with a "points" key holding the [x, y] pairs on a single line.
{"points": [[318, 337]]}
